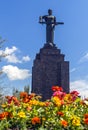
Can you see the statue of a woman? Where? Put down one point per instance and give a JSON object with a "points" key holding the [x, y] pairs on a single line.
{"points": [[50, 22]]}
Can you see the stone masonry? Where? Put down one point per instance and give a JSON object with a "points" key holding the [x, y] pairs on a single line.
{"points": [[49, 70]]}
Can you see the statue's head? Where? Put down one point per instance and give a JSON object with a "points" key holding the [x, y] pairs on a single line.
{"points": [[50, 12]]}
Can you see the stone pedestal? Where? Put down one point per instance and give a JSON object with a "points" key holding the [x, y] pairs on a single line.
{"points": [[49, 69]]}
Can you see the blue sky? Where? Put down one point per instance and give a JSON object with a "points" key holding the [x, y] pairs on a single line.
{"points": [[25, 36]]}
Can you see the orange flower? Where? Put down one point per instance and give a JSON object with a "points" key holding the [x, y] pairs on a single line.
{"points": [[29, 108], [12, 99], [35, 120], [23, 95], [64, 123], [25, 100], [5, 115], [86, 115], [86, 118], [86, 121], [2, 116], [47, 103], [60, 113]]}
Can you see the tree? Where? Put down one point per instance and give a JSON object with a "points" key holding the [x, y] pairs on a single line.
{"points": [[1, 73], [16, 92], [27, 89]]}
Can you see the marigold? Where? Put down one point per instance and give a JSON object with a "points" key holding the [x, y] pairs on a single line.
{"points": [[34, 102], [60, 113], [23, 95], [76, 121], [86, 118], [86, 115], [64, 123], [86, 121], [2, 116], [41, 104], [4, 105], [25, 100], [5, 115], [68, 98], [57, 101], [47, 103], [29, 108], [21, 114], [13, 99], [35, 120]]}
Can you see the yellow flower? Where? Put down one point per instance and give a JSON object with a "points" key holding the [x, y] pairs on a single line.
{"points": [[41, 104], [76, 121], [57, 101], [68, 98], [34, 102], [21, 114], [4, 105], [43, 118]]}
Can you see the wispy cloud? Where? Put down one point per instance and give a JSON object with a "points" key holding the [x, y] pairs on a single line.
{"points": [[72, 70], [84, 58], [81, 86], [14, 73], [11, 55]]}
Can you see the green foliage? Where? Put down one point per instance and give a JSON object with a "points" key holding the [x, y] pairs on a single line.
{"points": [[61, 112]]}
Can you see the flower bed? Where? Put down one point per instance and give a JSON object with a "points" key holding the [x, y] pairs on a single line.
{"points": [[62, 112]]}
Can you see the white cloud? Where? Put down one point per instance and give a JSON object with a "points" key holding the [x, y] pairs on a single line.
{"points": [[14, 73], [84, 58], [10, 54], [12, 59], [81, 86], [26, 58], [9, 51]]}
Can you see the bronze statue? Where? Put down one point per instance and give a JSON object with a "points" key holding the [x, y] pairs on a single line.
{"points": [[50, 22]]}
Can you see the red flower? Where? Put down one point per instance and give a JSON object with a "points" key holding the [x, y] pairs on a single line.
{"points": [[74, 93], [86, 115], [86, 121], [60, 113], [14, 99], [57, 88]]}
